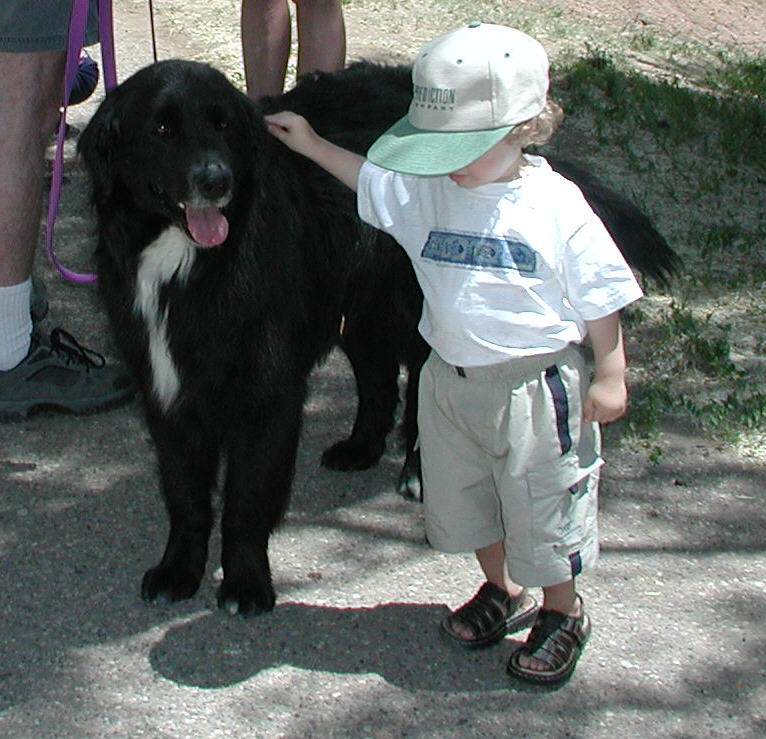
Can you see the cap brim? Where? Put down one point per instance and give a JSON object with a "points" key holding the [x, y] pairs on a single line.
{"points": [[404, 148]]}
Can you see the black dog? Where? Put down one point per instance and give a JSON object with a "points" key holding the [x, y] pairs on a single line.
{"points": [[228, 264]]}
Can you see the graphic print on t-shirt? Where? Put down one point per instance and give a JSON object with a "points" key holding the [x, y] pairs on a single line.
{"points": [[476, 251]]}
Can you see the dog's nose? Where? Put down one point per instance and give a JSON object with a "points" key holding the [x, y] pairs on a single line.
{"points": [[212, 180]]}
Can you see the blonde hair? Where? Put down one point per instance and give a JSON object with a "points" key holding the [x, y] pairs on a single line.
{"points": [[540, 129]]}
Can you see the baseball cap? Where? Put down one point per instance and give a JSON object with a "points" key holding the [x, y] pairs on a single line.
{"points": [[471, 87]]}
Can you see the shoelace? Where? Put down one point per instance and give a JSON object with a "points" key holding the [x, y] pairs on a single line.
{"points": [[66, 346]]}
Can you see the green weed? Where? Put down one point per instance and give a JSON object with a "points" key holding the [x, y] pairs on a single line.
{"points": [[701, 345], [740, 75], [727, 417], [650, 401], [723, 128]]}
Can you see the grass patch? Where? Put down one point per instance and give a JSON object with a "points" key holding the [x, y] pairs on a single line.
{"points": [[742, 75], [694, 157], [688, 373], [728, 128]]}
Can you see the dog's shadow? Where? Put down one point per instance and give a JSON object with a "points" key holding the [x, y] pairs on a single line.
{"points": [[399, 641]]}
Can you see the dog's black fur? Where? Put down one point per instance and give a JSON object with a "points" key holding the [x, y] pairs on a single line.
{"points": [[221, 338]]}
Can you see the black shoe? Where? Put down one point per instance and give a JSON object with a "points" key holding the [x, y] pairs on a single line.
{"points": [[59, 374]]}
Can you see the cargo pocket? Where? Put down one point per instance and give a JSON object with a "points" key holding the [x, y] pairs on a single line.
{"points": [[560, 504]]}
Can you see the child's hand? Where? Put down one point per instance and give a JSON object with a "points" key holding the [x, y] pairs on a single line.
{"points": [[606, 401], [296, 132], [293, 130], [607, 397]]}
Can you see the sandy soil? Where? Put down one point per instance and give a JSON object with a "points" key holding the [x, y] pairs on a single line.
{"points": [[740, 22]]}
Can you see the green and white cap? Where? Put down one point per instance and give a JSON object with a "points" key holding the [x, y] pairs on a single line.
{"points": [[471, 87]]}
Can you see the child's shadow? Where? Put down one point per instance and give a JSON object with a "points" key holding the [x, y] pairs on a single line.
{"points": [[399, 641]]}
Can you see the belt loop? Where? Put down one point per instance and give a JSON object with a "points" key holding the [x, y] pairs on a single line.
{"points": [[460, 371]]}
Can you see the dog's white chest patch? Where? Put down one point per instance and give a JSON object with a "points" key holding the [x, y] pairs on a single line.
{"points": [[170, 255]]}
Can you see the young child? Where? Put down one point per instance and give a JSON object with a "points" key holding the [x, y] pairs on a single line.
{"points": [[516, 270]]}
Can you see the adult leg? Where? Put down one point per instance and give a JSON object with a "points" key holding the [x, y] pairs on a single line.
{"points": [[321, 36], [36, 372], [265, 28], [28, 114]]}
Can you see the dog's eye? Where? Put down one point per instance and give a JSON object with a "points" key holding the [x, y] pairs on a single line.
{"points": [[218, 117], [219, 120], [164, 129]]}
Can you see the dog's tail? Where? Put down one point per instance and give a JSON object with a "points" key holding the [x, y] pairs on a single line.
{"points": [[643, 246]]}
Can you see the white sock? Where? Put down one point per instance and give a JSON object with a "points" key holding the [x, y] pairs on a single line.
{"points": [[15, 324]]}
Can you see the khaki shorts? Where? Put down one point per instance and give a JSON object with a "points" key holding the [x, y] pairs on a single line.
{"points": [[40, 25], [506, 457]]}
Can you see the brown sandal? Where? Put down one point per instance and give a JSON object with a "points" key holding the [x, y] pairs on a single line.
{"points": [[555, 639], [491, 614]]}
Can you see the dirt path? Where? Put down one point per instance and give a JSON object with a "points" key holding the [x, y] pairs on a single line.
{"points": [[738, 22]]}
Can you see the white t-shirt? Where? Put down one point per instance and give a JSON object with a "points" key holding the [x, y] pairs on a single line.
{"points": [[508, 269]]}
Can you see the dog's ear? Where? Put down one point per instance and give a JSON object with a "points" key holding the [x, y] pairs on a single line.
{"points": [[97, 144], [258, 139], [252, 112]]}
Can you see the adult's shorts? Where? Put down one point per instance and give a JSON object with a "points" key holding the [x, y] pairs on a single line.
{"points": [[40, 25]]}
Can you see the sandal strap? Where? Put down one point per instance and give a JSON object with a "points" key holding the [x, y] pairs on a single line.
{"points": [[556, 637], [489, 608]]}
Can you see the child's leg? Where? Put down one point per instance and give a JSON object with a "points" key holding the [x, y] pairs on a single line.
{"points": [[551, 519], [554, 645], [492, 561], [508, 600], [561, 598], [462, 508], [501, 606]]}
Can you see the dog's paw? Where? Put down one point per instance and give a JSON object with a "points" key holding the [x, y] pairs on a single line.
{"points": [[410, 486], [246, 599], [410, 483], [162, 585], [350, 455]]}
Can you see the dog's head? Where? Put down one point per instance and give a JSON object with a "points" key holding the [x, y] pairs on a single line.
{"points": [[174, 142]]}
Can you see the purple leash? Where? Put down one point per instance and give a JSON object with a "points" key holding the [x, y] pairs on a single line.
{"points": [[77, 22]]}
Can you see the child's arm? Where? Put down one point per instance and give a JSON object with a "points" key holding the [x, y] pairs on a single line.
{"points": [[607, 396], [294, 131]]}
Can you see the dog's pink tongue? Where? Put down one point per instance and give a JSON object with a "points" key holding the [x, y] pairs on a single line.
{"points": [[207, 226]]}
